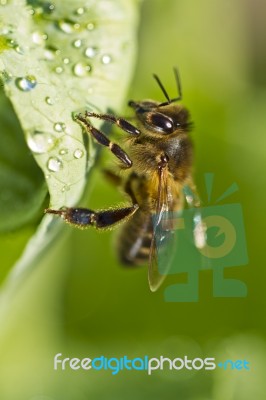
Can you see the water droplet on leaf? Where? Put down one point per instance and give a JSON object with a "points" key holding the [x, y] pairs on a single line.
{"points": [[18, 49], [68, 26], [59, 126], [65, 188], [59, 70], [42, 7], [54, 164], [63, 152], [91, 52], [40, 142], [79, 11], [49, 101], [81, 69], [48, 8], [90, 26], [13, 44], [78, 153], [77, 43], [39, 37], [27, 83], [106, 59], [51, 52]]}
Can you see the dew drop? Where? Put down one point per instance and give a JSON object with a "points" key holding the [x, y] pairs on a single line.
{"points": [[90, 26], [59, 126], [12, 43], [78, 153], [39, 37], [49, 101], [81, 69], [40, 142], [77, 43], [59, 70], [68, 26], [66, 60], [18, 49], [80, 11], [106, 59], [91, 52], [54, 164], [42, 7], [63, 152], [65, 188], [65, 26], [27, 83], [48, 8], [51, 52]]}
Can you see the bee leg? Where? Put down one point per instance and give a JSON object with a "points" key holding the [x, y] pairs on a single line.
{"points": [[83, 217], [128, 187], [112, 177], [104, 141], [120, 122]]}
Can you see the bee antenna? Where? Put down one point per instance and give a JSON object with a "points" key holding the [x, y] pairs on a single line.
{"points": [[178, 84], [162, 87], [179, 88]]}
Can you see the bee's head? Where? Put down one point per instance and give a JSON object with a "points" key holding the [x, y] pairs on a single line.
{"points": [[161, 118]]}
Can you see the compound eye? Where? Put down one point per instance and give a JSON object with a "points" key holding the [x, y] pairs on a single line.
{"points": [[161, 122]]}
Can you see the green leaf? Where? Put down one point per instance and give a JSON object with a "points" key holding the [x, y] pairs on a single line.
{"points": [[61, 60], [57, 59], [22, 184]]}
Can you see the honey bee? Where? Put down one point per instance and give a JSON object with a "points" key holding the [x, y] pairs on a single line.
{"points": [[158, 159]]}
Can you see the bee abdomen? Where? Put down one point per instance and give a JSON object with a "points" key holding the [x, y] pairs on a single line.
{"points": [[135, 239]]}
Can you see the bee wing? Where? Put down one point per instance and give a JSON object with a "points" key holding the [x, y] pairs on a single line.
{"points": [[163, 238]]}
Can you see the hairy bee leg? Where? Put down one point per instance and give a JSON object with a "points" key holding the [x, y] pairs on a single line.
{"points": [[104, 141], [117, 181], [83, 217], [120, 122], [112, 177], [128, 187]]}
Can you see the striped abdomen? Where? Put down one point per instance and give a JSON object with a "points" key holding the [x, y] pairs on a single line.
{"points": [[135, 237]]}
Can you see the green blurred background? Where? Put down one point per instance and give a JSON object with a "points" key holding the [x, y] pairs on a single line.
{"points": [[81, 303]]}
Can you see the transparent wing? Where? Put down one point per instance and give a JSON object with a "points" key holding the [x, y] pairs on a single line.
{"points": [[164, 238]]}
